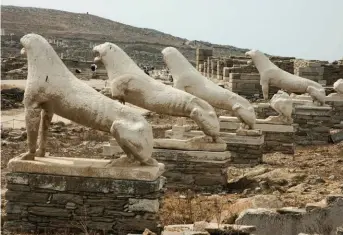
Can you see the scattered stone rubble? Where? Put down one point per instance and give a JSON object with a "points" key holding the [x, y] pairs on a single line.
{"points": [[323, 217], [205, 228]]}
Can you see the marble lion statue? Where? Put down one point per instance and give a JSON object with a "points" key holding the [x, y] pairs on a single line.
{"points": [[52, 89], [130, 84], [282, 103], [338, 86], [188, 79], [271, 75]]}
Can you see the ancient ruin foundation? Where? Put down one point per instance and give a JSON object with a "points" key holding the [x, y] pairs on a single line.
{"points": [[201, 171], [277, 137], [83, 199]]}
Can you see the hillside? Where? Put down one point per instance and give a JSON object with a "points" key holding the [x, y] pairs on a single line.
{"points": [[141, 43]]}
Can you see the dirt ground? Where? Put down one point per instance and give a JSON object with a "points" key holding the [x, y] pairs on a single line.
{"points": [[311, 174]]}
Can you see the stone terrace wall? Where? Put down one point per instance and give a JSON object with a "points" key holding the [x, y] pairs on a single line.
{"points": [[202, 55], [319, 70], [247, 84], [332, 72], [39, 203], [312, 70]]}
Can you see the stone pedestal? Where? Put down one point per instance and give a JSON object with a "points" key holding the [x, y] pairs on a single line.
{"points": [[81, 195], [314, 124], [244, 148], [278, 137], [201, 171], [335, 100], [192, 163]]}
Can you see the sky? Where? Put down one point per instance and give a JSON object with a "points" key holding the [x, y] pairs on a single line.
{"points": [[308, 29]]}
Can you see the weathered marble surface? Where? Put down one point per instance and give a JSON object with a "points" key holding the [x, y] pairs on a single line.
{"points": [[129, 83], [188, 79], [283, 105], [271, 75], [52, 89], [194, 144], [338, 86], [85, 167]]}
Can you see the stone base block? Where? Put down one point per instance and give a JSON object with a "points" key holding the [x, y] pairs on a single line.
{"points": [[278, 137], [202, 171], [39, 201], [248, 152], [192, 144], [84, 167], [314, 122]]}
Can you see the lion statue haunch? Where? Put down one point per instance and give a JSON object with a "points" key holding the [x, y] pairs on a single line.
{"points": [[274, 76], [52, 89], [131, 84], [338, 86], [282, 103], [188, 79]]}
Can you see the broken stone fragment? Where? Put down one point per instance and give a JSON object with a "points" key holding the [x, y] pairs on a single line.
{"points": [[214, 228]]}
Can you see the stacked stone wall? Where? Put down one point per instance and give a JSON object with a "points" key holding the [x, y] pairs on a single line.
{"points": [[39, 203]]}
